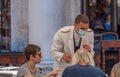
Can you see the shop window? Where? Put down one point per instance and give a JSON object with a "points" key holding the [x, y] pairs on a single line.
{"points": [[102, 14], [5, 26]]}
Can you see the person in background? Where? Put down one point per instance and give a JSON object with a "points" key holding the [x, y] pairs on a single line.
{"points": [[107, 24], [70, 38], [83, 66], [33, 56], [115, 72]]}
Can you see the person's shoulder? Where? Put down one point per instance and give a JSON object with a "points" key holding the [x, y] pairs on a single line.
{"points": [[97, 69], [66, 29], [117, 65], [23, 66], [73, 67], [89, 30]]}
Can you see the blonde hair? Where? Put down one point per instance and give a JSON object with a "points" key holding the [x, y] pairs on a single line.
{"points": [[83, 55]]}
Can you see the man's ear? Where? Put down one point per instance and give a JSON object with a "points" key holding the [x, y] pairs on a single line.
{"points": [[31, 56], [75, 24]]}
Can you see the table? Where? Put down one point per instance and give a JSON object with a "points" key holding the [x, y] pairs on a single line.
{"points": [[8, 71]]}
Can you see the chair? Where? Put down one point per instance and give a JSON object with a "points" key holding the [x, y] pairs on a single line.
{"points": [[110, 37], [109, 44], [97, 45]]}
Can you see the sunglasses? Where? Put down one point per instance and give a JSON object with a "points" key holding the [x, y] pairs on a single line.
{"points": [[40, 55]]}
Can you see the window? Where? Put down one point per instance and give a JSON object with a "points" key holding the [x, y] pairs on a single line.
{"points": [[118, 17], [102, 14], [5, 27]]}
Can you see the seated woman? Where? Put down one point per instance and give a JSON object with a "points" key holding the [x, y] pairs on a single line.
{"points": [[115, 72], [33, 56], [83, 66]]}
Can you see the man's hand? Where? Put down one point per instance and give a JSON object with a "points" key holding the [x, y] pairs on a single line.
{"points": [[86, 46], [67, 58]]}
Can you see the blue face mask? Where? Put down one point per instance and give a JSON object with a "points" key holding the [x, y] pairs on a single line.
{"points": [[81, 32]]}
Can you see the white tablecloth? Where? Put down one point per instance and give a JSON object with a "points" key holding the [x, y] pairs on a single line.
{"points": [[9, 71]]}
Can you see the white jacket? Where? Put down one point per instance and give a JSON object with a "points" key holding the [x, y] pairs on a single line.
{"points": [[63, 43]]}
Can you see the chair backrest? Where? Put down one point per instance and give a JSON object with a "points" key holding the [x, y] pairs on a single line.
{"points": [[98, 45], [109, 36]]}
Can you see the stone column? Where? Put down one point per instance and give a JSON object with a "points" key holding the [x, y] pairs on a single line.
{"points": [[71, 8], [45, 18], [19, 25]]}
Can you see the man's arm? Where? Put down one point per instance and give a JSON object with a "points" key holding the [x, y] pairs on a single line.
{"points": [[57, 47]]}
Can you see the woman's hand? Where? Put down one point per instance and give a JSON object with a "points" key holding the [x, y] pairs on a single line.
{"points": [[52, 73]]}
